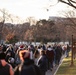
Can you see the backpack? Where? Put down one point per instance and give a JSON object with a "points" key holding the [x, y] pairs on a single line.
{"points": [[27, 70]]}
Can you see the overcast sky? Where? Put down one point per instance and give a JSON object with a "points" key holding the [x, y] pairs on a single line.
{"points": [[34, 8]]}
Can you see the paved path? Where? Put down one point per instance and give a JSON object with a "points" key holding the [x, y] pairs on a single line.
{"points": [[52, 72], [55, 69]]}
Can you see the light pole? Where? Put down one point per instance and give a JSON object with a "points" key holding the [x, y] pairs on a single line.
{"points": [[72, 64]]}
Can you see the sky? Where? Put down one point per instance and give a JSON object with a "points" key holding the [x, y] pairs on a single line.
{"points": [[32, 8]]}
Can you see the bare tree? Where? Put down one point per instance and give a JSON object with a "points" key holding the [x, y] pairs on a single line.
{"points": [[5, 17], [31, 20], [71, 3], [70, 15], [69, 24]]}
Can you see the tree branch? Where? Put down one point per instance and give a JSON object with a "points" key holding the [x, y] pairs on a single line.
{"points": [[70, 3]]}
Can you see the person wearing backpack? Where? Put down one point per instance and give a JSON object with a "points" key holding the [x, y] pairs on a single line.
{"points": [[27, 66], [5, 68]]}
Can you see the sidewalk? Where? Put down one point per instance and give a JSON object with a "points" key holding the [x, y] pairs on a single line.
{"points": [[52, 72], [55, 69], [66, 68]]}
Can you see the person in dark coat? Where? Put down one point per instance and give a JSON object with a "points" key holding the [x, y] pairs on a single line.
{"points": [[5, 68], [58, 52], [43, 62], [50, 56], [27, 67]]}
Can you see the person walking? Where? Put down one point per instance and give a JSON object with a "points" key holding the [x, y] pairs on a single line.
{"points": [[5, 68], [43, 62], [50, 56], [27, 66], [58, 52]]}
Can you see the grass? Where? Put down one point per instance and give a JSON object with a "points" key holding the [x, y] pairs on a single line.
{"points": [[66, 68]]}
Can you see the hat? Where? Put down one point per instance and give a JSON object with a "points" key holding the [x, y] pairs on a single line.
{"points": [[49, 49], [21, 47]]}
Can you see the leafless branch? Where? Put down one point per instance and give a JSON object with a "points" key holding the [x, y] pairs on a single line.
{"points": [[69, 2], [73, 1]]}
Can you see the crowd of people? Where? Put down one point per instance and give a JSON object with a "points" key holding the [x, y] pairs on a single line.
{"points": [[30, 59]]}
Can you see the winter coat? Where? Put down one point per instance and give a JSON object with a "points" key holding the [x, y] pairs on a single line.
{"points": [[58, 52], [43, 63], [50, 55], [27, 68]]}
